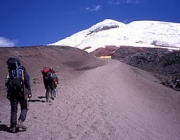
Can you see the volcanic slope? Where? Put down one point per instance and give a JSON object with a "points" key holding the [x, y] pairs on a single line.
{"points": [[97, 99]]}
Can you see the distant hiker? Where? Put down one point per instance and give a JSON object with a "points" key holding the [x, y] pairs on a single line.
{"points": [[56, 82], [18, 90], [50, 80]]}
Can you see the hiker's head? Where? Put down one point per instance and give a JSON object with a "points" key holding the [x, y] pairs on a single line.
{"points": [[13, 62]]}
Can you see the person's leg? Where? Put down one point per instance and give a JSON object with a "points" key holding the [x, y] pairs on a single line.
{"points": [[14, 108], [47, 93], [13, 118], [52, 94], [22, 116], [52, 90], [55, 92], [23, 113]]}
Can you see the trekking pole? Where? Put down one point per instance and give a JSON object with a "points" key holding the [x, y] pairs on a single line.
{"points": [[28, 103], [24, 89], [28, 100], [56, 91], [23, 84]]}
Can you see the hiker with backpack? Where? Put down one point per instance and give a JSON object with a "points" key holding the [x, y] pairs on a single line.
{"points": [[50, 80], [56, 83], [18, 90]]}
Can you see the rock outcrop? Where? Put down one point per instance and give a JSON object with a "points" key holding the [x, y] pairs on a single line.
{"points": [[163, 63]]}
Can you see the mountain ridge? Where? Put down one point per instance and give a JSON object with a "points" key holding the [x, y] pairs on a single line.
{"points": [[137, 33]]}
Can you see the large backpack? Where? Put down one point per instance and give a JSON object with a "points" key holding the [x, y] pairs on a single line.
{"points": [[47, 72], [15, 79]]}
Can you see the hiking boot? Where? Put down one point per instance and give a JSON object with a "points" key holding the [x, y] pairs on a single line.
{"points": [[48, 101], [54, 93], [52, 98], [13, 130], [21, 125]]}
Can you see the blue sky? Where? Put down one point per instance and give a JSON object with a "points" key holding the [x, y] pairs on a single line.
{"points": [[37, 22]]}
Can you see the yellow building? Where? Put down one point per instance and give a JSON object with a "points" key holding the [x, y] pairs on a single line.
{"points": [[105, 57]]}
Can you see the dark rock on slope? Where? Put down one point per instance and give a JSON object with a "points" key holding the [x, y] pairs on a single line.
{"points": [[108, 50], [163, 63]]}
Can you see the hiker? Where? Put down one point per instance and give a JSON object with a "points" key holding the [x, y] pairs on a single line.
{"points": [[56, 82], [18, 90], [50, 80]]}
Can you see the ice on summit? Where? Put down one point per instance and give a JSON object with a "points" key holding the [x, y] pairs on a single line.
{"points": [[136, 33]]}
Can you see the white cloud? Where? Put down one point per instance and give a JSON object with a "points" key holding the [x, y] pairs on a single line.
{"points": [[94, 8], [4, 42], [118, 2], [113, 2], [131, 1]]}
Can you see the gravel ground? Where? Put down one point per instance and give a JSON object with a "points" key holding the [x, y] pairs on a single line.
{"points": [[97, 100]]}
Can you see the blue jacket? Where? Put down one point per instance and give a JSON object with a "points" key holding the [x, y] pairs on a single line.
{"points": [[27, 81]]}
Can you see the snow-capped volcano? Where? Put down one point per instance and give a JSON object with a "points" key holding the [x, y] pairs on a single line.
{"points": [[137, 33]]}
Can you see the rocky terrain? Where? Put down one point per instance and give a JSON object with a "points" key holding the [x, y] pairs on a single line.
{"points": [[164, 64]]}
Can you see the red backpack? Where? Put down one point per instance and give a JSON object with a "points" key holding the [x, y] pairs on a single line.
{"points": [[45, 70]]}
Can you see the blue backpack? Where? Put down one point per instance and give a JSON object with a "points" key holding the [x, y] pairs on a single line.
{"points": [[15, 79]]}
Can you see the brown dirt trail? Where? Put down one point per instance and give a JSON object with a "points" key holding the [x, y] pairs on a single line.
{"points": [[110, 102]]}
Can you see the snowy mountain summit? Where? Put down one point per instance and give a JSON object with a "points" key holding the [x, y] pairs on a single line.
{"points": [[113, 33]]}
